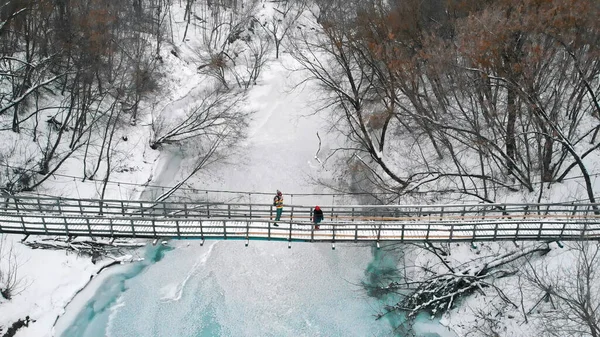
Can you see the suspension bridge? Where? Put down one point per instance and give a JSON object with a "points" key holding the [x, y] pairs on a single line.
{"points": [[34, 215]]}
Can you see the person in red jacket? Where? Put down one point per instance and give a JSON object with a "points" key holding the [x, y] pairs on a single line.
{"points": [[317, 216]]}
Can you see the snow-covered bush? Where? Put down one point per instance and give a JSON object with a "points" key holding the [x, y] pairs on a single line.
{"points": [[10, 282]]}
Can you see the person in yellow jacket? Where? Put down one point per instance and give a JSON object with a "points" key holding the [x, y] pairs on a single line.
{"points": [[278, 203]]}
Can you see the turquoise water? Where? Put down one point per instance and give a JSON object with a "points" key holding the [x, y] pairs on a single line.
{"points": [[380, 272], [93, 318], [226, 289]]}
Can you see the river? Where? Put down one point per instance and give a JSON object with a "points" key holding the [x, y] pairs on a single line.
{"points": [[226, 289]]}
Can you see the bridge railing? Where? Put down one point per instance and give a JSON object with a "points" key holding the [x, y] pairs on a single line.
{"points": [[425, 228], [339, 213]]}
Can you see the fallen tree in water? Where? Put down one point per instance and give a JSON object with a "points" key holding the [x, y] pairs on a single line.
{"points": [[437, 291], [93, 248]]}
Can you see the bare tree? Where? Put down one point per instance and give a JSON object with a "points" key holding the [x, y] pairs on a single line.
{"points": [[254, 59], [284, 17], [432, 100], [571, 290], [215, 111]]}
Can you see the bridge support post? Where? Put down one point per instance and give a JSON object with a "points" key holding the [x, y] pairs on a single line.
{"points": [[87, 222], [201, 232], [269, 230], [64, 220], [495, 232], [45, 226], [247, 232], [332, 233], [132, 228]]}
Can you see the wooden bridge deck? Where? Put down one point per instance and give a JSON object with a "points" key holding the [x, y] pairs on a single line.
{"points": [[121, 218]]}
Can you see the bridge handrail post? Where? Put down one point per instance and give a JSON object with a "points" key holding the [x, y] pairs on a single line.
{"points": [[332, 233], [153, 222], [312, 233], [560, 236], [451, 231], [585, 225], [185, 210], [39, 205], [66, 225], [290, 236], [292, 213], [540, 230], [132, 227], [247, 232], [379, 232], [201, 230], [229, 211], [225, 229], [427, 233], [269, 226], [112, 231], [352, 213], [16, 204], [122, 208], [178, 229], [58, 205], [250, 211], [44, 224], [79, 205], [332, 207], [402, 232], [495, 231], [207, 206], [355, 231], [87, 221]]}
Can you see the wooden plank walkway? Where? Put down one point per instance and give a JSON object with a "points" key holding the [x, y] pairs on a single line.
{"points": [[353, 223]]}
